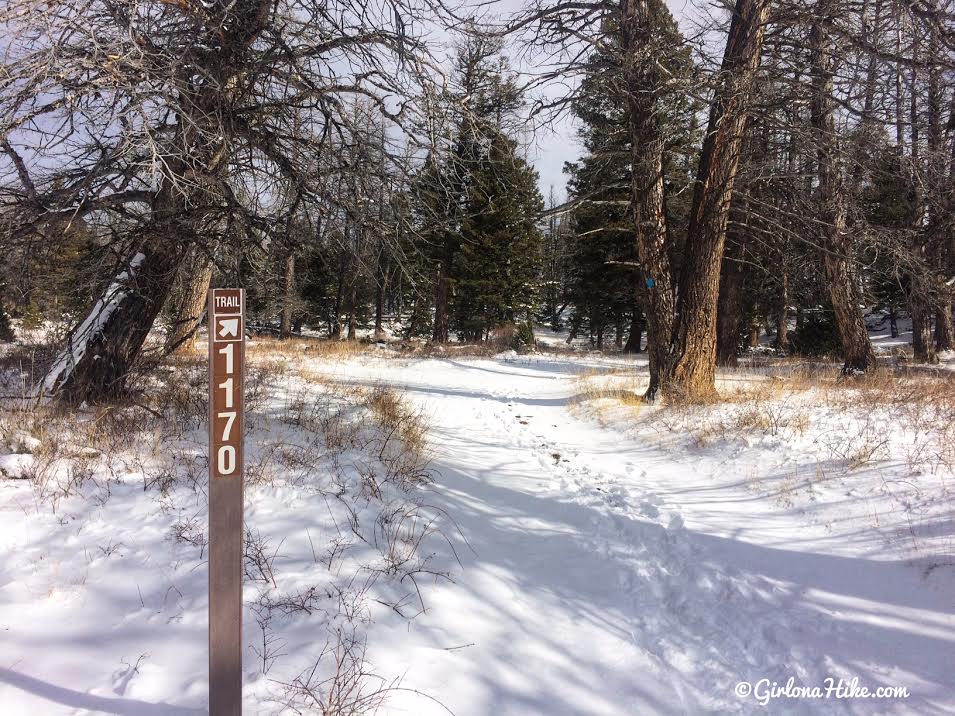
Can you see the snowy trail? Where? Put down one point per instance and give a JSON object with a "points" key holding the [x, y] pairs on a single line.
{"points": [[604, 571], [605, 576]]}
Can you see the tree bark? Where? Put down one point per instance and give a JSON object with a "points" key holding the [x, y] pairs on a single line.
{"points": [[844, 293], [729, 304], [335, 332], [380, 303], [691, 373], [635, 338], [944, 333], [923, 347], [939, 242], [782, 315], [729, 310], [100, 351], [753, 340], [683, 346], [195, 277], [644, 82], [352, 308], [920, 299]]}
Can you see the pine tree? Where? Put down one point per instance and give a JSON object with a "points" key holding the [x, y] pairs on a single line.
{"points": [[606, 283], [603, 287], [477, 203], [497, 270]]}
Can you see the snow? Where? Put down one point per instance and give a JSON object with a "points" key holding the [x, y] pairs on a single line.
{"points": [[81, 338], [613, 575], [607, 559], [15, 466]]}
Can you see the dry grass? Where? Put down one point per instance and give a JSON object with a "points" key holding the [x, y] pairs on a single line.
{"points": [[363, 449], [452, 350], [296, 349], [397, 419], [598, 391], [861, 414]]}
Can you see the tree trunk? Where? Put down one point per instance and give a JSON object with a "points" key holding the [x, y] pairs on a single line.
{"points": [[644, 81], [844, 293], [893, 321], [635, 339], [441, 296], [574, 330], [189, 307], [352, 308], [380, 307], [782, 315], [939, 242], [99, 353], [288, 296], [692, 370], [729, 309], [923, 347], [920, 300], [336, 327], [944, 334]]}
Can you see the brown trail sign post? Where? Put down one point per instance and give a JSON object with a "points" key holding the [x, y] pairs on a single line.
{"points": [[226, 428]]}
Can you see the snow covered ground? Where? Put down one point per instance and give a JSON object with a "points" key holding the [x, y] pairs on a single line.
{"points": [[604, 558]]}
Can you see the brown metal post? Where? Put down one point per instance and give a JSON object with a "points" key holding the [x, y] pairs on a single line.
{"points": [[226, 429]]}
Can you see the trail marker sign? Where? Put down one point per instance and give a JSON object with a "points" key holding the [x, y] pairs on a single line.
{"points": [[226, 430]]}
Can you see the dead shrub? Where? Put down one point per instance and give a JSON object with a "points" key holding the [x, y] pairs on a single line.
{"points": [[338, 683], [402, 437]]}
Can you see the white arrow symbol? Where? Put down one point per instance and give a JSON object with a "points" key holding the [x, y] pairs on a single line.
{"points": [[228, 327]]}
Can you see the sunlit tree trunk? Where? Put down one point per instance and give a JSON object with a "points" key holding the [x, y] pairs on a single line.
{"points": [[189, 306], [644, 81], [100, 351], [838, 261], [691, 372]]}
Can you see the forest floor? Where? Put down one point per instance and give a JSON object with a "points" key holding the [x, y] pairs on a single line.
{"points": [[512, 535]]}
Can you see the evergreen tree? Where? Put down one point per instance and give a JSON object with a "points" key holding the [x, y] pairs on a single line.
{"points": [[497, 269], [477, 205], [605, 283]]}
